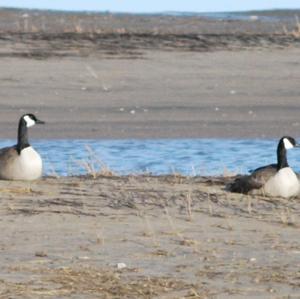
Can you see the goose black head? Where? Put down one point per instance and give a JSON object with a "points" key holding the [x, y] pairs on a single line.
{"points": [[288, 142], [30, 120], [285, 143]]}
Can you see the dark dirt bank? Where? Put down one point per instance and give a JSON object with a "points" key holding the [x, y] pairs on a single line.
{"points": [[132, 45], [42, 34]]}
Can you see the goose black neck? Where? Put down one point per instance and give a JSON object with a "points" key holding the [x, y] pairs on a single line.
{"points": [[22, 136], [281, 156]]}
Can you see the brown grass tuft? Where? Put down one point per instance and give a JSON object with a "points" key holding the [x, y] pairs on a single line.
{"points": [[102, 283]]}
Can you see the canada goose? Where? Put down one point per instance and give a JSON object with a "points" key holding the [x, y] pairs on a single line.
{"points": [[271, 180], [21, 161]]}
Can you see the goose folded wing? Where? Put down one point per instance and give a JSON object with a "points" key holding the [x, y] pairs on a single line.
{"points": [[256, 180]]}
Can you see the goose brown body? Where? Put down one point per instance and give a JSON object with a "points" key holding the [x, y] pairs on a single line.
{"points": [[271, 180], [21, 161]]}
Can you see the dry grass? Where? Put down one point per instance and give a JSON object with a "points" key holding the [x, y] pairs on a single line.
{"points": [[93, 166], [189, 202], [295, 32], [223, 247], [103, 283], [149, 230], [286, 217], [20, 190]]}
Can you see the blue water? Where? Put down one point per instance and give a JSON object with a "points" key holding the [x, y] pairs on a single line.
{"points": [[162, 156], [243, 16], [266, 15], [263, 15]]}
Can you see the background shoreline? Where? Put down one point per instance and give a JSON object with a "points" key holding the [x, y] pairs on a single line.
{"points": [[113, 77], [223, 94]]}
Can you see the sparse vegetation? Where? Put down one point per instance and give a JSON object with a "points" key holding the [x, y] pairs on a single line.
{"points": [[93, 166], [87, 225], [294, 32]]}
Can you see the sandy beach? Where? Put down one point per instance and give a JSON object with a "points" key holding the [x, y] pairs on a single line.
{"points": [[176, 237], [106, 236]]}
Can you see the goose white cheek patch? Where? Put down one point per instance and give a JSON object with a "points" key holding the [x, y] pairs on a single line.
{"points": [[29, 122], [287, 144]]}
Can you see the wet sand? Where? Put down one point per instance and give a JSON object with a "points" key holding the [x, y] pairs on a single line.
{"points": [[178, 237], [164, 95]]}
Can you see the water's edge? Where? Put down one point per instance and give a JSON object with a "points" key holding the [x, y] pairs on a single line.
{"points": [[205, 157]]}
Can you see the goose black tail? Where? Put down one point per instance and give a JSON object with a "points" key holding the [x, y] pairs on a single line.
{"points": [[243, 184]]}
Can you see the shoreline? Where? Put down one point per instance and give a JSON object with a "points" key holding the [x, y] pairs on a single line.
{"points": [[134, 77], [43, 45], [18, 20]]}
